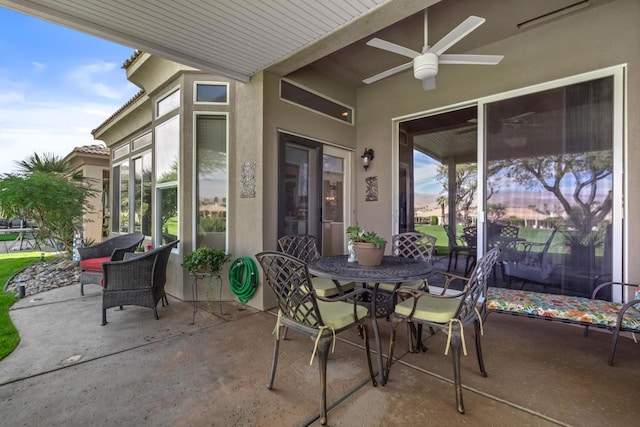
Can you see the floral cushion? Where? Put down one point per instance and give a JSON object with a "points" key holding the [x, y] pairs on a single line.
{"points": [[562, 307]]}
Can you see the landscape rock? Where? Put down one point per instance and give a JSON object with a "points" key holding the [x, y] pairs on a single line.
{"points": [[45, 275]]}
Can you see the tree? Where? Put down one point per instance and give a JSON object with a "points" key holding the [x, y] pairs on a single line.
{"points": [[55, 202], [586, 171], [49, 163], [466, 187]]}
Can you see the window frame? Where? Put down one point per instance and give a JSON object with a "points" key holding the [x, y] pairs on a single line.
{"points": [[352, 116], [195, 176], [176, 90], [209, 83]]}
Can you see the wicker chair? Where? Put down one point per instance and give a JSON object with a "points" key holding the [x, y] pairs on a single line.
{"points": [[305, 248], [137, 280], [92, 257], [448, 312], [302, 310]]}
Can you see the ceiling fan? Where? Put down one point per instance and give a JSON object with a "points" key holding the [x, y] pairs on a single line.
{"points": [[425, 63]]}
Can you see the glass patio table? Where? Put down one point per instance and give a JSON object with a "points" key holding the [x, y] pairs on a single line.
{"points": [[392, 270]]}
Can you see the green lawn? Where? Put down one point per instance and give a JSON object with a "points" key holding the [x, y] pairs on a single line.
{"points": [[9, 265], [8, 237], [528, 233]]}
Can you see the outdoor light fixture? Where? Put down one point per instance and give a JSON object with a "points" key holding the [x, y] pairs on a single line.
{"points": [[367, 157]]}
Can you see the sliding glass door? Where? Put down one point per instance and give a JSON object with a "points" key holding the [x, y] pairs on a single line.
{"points": [[549, 173]]}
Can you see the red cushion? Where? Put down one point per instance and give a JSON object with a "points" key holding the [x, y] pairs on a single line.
{"points": [[94, 264]]}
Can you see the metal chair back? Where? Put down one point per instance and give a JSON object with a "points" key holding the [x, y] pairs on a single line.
{"points": [[413, 245], [301, 246], [289, 278]]}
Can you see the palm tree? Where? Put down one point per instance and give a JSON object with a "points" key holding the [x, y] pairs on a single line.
{"points": [[49, 163]]}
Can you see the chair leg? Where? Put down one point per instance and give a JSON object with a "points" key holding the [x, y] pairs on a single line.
{"points": [[456, 345], [450, 257], [323, 354], [274, 364], [81, 289], [614, 342], [104, 316], [364, 332], [392, 343], [155, 313], [415, 333], [476, 325]]}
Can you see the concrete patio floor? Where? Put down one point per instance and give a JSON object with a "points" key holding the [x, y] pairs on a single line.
{"points": [[68, 370]]}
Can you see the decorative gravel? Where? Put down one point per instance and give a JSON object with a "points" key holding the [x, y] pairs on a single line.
{"points": [[45, 275]]}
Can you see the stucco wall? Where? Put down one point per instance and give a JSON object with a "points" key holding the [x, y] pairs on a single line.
{"points": [[594, 39]]}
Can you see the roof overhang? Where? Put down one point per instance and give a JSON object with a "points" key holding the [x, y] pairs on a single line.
{"points": [[226, 37]]}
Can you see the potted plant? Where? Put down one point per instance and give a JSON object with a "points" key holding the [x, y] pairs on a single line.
{"points": [[368, 245], [205, 262]]}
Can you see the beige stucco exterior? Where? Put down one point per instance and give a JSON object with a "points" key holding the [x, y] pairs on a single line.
{"points": [[94, 166], [598, 38]]}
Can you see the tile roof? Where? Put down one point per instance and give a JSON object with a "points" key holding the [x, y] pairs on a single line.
{"points": [[133, 57], [119, 110], [92, 149]]}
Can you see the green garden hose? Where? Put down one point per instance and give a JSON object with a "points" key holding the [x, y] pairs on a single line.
{"points": [[243, 278]]}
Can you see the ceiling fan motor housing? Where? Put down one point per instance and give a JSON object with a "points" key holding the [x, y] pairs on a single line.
{"points": [[425, 65]]}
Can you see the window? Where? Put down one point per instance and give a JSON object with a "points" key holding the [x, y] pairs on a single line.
{"points": [[211, 170], [121, 151], [142, 194], [120, 214], [167, 146], [142, 141], [211, 93], [320, 104], [168, 103], [550, 166], [131, 199]]}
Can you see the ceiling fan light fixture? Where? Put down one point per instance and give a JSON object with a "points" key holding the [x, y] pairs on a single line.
{"points": [[425, 66]]}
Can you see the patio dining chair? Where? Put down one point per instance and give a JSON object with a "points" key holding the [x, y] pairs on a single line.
{"points": [[450, 312], [414, 245], [465, 245], [305, 248], [302, 310]]}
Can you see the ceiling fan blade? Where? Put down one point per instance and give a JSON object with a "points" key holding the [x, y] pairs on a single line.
{"points": [[388, 73], [392, 47], [470, 59], [455, 35], [429, 83]]}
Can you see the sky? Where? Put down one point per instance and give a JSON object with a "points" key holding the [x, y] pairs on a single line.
{"points": [[56, 85]]}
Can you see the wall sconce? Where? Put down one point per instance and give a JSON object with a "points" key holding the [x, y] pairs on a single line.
{"points": [[367, 157]]}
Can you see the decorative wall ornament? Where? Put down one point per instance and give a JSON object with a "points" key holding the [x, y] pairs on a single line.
{"points": [[371, 192], [248, 180]]}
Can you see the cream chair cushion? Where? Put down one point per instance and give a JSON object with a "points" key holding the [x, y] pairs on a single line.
{"points": [[430, 309]]}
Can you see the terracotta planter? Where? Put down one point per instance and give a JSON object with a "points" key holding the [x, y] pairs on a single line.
{"points": [[368, 255]]}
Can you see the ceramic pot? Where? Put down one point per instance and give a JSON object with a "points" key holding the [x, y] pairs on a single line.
{"points": [[368, 255]]}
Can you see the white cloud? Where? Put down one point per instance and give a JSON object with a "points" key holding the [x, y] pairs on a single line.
{"points": [[47, 127], [11, 97], [93, 77], [38, 66]]}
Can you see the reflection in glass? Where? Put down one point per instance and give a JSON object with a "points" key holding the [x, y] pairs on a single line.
{"points": [[123, 203], [142, 197], [168, 204], [550, 163], [296, 188], [211, 168], [167, 146]]}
